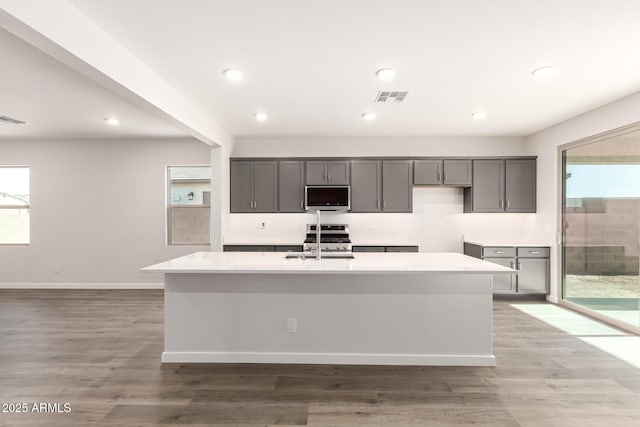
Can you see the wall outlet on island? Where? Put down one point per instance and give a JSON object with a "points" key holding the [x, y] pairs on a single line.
{"points": [[292, 325]]}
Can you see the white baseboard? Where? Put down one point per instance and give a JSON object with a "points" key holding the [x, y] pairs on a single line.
{"points": [[45, 285], [329, 358]]}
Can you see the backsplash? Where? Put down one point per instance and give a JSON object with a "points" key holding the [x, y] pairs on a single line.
{"points": [[437, 223]]}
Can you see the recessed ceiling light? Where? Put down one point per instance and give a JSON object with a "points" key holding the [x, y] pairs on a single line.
{"points": [[261, 117], [112, 121], [478, 115], [543, 72], [233, 74], [368, 116], [385, 73]]}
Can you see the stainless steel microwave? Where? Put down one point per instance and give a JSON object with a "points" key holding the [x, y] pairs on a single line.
{"points": [[327, 197]]}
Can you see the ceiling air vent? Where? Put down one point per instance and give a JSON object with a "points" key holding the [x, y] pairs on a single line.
{"points": [[388, 96], [11, 120]]}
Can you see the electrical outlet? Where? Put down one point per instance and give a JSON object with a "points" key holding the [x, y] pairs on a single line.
{"points": [[371, 225], [292, 325], [56, 268], [441, 225], [262, 225]]}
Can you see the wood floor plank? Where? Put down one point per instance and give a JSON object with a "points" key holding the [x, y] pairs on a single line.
{"points": [[100, 351]]}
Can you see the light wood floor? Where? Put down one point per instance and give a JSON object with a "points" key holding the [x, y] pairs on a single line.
{"points": [[100, 352]]}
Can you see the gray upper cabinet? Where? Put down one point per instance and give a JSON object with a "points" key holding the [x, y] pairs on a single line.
{"points": [[397, 185], [427, 172], [327, 172], [457, 172], [488, 186], [520, 185], [366, 181], [254, 186], [291, 186], [241, 186], [501, 185], [452, 172]]}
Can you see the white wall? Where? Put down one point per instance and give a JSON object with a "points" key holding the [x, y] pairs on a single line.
{"points": [[379, 146], [437, 222], [545, 144], [97, 209]]}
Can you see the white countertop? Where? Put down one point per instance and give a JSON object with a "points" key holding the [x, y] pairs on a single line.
{"points": [[276, 263], [509, 243]]}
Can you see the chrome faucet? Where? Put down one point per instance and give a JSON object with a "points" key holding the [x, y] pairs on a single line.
{"points": [[318, 255]]}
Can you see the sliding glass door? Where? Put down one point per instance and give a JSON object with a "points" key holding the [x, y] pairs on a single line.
{"points": [[601, 226]]}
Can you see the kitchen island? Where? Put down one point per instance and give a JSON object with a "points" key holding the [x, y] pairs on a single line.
{"points": [[378, 308]]}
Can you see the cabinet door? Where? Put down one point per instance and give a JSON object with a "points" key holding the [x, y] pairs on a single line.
{"points": [[291, 186], [457, 172], [366, 179], [488, 186], [503, 283], [427, 172], [316, 173], [241, 186], [397, 185], [533, 277], [338, 173], [265, 186], [520, 185]]}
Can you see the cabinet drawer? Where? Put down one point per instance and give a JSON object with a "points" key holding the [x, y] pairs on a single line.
{"points": [[498, 252], [533, 252]]}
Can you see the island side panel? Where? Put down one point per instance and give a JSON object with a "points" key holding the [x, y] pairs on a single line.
{"points": [[403, 319]]}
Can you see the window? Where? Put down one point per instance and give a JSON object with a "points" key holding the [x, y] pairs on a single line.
{"points": [[188, 205], [601, 226], [14, 205]]}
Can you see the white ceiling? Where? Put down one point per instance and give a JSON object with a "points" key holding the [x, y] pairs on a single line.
{"points": [[60, 103], [310, 64]]}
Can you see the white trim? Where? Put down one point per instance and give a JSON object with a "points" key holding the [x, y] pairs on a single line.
{"points": [[43, 285], [329, 358]]}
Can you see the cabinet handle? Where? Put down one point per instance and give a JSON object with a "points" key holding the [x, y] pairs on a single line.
{"points": [[499, 252], [501, 204], [534, 252], [508, 204], [301, 204], [438, 175], [378, 203], [384, 204], [328, 177], [445, 176], [519, 266]]}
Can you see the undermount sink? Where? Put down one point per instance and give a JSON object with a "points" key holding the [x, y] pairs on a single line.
{"points": [[327, 255]]}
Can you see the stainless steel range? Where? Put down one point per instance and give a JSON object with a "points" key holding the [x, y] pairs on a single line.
{"points": [[333, 238]]}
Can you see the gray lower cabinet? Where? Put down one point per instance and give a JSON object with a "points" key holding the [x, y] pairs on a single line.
{"points": [[397, 188], [454, 172], [262, 248], [320, 172], [291, 186], [409, 248], [532, 264], [366, 185], [501, 185], [254, 186]]}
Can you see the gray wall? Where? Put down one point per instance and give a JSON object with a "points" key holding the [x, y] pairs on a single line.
{"points": [[97, 209]]}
